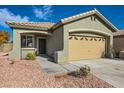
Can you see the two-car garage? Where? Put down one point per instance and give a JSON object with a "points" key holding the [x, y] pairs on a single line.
{"points": [[86, 46]]}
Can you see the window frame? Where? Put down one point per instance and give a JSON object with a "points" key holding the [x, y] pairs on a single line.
{"points": [[26, 40]]}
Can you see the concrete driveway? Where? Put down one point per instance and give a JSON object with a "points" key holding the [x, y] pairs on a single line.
{"points": [[109, 70]]}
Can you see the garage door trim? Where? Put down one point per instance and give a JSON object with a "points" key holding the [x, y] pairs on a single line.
{"points": [[90, 30]]}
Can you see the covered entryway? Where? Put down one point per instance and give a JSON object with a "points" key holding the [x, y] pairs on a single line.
{"points": [[86, 46], [41, 46]]}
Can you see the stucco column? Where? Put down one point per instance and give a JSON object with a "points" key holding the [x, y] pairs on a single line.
{"points": [[16, 51], [111, 47], [62, 56]]}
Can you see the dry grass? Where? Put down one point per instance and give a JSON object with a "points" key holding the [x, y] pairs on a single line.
{"points": [[29, 74]]}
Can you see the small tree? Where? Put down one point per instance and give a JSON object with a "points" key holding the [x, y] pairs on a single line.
{"points": [[4, 37]]}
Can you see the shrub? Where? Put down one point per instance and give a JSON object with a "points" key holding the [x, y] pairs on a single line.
{"points": [[84, 71], [31, 56]]}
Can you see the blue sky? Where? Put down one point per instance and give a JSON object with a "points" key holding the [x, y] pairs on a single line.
{"points": [[114, 14]]}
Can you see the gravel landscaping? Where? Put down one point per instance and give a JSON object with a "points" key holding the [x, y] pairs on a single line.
{"points": [[28, 74]]}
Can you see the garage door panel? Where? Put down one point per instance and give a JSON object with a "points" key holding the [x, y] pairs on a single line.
{"points": [[86, 48]]}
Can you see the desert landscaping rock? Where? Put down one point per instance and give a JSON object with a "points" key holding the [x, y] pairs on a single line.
{"points": [[28, 74]]}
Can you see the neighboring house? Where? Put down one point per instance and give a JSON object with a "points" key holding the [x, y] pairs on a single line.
{"points": [[84, 36], [119, 43]]}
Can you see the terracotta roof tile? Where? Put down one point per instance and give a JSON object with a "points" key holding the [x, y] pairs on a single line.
{"points": [[47, 25], [78, 15], [31, 24]]}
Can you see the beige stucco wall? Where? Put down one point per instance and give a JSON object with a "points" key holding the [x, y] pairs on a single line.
{"points": [[58, 43], [55, 42], [118, 44], [25, 51], [16, 51], [85, 23], [19, 53]]}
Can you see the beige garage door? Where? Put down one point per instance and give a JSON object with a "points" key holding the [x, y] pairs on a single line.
{"points": [[86, 47]]}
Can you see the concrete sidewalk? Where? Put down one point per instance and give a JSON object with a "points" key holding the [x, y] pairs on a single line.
{"points": [[53, 68], [50, 67]]}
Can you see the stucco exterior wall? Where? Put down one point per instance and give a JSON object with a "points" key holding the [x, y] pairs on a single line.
{"points": [[25, 51], [58, 44], [55, 42], [19, 53], [118, 44], [88, 24], [16, 52], [85, 23]]}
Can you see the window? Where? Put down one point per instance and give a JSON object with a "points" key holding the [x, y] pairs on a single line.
{"points": [[27, 41], [23, 41]]}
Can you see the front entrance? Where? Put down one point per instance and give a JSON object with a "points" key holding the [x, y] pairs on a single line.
{"points": [[41, 46]]}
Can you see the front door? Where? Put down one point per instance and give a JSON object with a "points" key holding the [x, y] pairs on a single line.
{"points": [[41, 46]]}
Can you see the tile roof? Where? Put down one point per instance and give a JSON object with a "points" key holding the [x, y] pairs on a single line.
{"points": [[119, 33], [78, 16], [85, 14], [74, 17], [47, 25], [30, 24]]}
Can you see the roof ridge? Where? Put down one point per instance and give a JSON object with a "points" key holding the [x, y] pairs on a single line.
{"points": [[78, 15], [94, 11], [68, 19]]}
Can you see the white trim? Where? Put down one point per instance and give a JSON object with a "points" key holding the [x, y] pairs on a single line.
{"points": [[78, 15], [38, 43], [40, 32], [90, 30], [106, 20], [28, 48]]}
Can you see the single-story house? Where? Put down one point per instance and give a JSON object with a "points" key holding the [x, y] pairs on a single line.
{"points": [[87, 35], [119, 43]]}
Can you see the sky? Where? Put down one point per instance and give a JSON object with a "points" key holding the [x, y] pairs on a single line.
{"points": [[26, 13]]}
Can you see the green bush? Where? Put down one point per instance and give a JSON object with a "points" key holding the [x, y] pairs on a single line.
{"points": [[84, 71], [31, 56]]}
